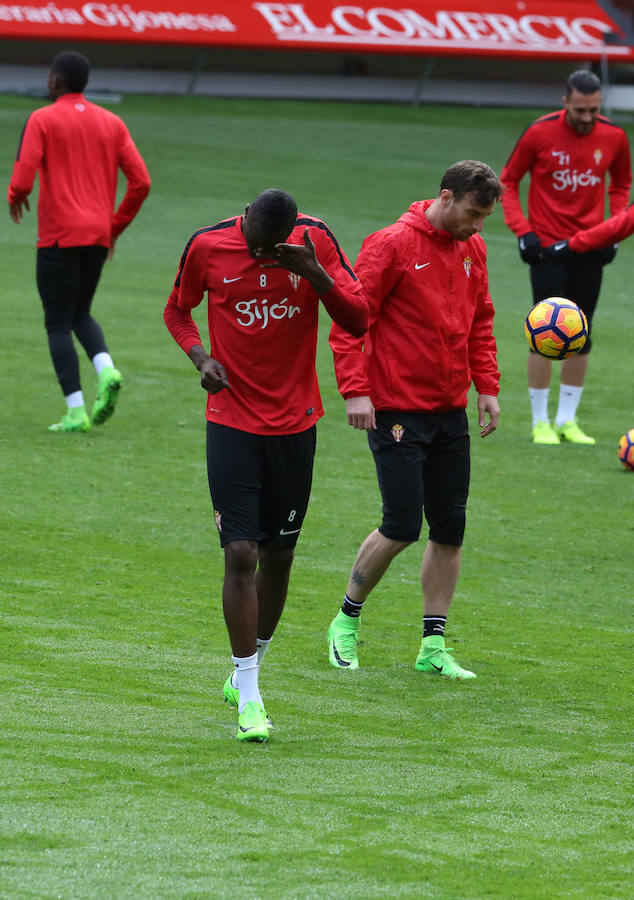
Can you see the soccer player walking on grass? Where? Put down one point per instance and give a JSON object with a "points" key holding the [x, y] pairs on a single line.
{"points": [[264, 273], [430, 334], [568, 155], [77, 148]]}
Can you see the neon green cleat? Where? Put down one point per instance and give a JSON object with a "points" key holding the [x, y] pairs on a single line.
{"points": [[544, 433], [252, 723], [570, 431], [232, 698], [74, 420], [343, 635], [434, 657], [110, 382]]}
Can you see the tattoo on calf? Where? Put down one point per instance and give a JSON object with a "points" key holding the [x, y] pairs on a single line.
{"points": [[358, 577]]}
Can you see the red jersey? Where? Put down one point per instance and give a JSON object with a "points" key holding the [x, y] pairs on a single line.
{"points": [[567, 177], [78, 148], [613, 230], [262, 324], [431, 320]]}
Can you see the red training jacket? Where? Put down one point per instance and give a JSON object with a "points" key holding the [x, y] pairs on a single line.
{"points": [[567, 177], [431, 320], [262, 324], [78, 148], [613, 230]]}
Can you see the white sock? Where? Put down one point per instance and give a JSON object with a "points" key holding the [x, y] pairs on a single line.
{"points": [[539, 404], [262, 646], [74, 400], [247, 674], [569, 397], [102, 361]]}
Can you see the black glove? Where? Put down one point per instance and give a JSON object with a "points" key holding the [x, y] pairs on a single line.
{"points": [[607, 254], [530, 248], [559, 252]]}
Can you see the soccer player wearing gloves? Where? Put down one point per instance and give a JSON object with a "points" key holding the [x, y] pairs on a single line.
{"points": [[568, 155], [78, 149], [430, 335], [264, 274]]}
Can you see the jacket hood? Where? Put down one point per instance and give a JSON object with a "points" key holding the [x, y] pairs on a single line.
{"points": [[415, 217]]}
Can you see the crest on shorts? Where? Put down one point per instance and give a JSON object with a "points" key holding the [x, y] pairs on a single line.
{"points": [[598, 155], [294, 279], [397, 433], [467, 262], [218, 518]]}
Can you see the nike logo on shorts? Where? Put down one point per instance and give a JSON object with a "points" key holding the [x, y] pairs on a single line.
{"points": [[296, 531]]}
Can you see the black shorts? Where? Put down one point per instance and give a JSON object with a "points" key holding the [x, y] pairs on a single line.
{"points": [[422, 462], [577, 279], [259, 484], [67, 278]]}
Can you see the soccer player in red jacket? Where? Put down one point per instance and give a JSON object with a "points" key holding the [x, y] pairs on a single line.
{"points": [[264, 274], [603, 236], [77, 148], [430, 335], [568, 155]]}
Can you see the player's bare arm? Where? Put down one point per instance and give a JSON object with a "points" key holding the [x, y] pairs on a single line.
{"points": [[213, 377], [302, 260], [360, 412], [488, 406]]}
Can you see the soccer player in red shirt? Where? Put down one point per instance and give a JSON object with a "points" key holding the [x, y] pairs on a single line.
{"points": [[77, 148], [430, 334], [605, 235], [264, 273], [568, 155]]}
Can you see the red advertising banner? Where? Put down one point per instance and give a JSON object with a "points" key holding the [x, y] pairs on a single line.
{"points": [[517, 28]]}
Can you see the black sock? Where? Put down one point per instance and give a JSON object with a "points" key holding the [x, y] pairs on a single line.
{"points": [[434, 625], [349, 608]]}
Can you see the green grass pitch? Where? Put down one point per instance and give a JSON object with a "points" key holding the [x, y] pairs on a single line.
{"points": [[119, 770]]}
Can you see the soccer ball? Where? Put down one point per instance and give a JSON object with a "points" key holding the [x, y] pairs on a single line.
{"points": [[556, 328], [626, 449]]}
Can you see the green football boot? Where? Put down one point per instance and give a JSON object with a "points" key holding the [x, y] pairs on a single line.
{"points": [[570, 431], [343, 635], [74, 420], [252, 723], [108, 388], [544, 433], [232, 698], [434, 657]]}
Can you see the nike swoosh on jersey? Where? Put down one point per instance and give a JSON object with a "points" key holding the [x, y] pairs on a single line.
{"points": [[226, 280], [297, 531], [422, 265]]}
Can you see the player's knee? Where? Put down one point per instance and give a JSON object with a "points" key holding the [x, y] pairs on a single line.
{"points": [[241, 558], [274, 556]]}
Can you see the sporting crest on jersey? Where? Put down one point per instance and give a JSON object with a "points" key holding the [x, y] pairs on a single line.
{"points": [[294, 279], [598, 155], [397, 433], [467, 262]]}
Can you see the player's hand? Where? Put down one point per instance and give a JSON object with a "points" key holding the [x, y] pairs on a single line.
{"points": [[302, 260], [213, 377], [16, 210], [488, 405], [607, 254], [558, 252], [530, 248], [111, 249], [360, 412]]}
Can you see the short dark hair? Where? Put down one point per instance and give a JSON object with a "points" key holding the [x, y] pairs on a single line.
{"points": [[473, 177], [274, 210], [584, 82], [73, 68]]}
